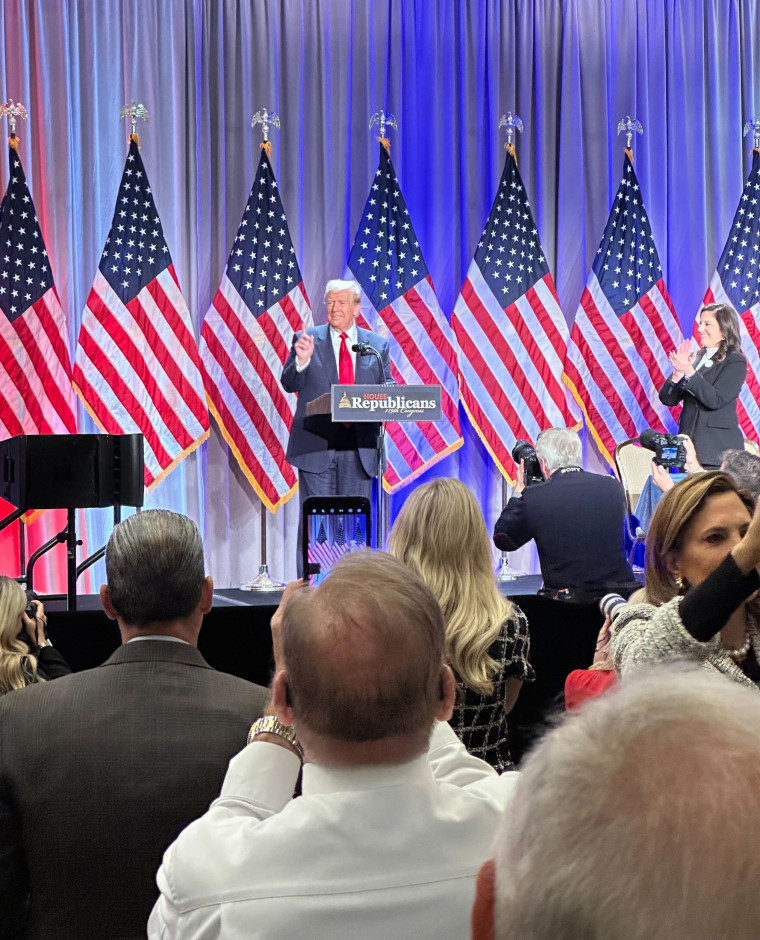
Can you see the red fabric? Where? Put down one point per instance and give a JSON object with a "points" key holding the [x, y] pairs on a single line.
{"points": [[583, 684], [345, 366]]}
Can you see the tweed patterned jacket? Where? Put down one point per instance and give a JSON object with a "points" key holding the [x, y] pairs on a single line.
{"points": [[644, 635]]}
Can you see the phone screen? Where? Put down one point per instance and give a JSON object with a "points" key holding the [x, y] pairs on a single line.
{"points": [[332, 527]]}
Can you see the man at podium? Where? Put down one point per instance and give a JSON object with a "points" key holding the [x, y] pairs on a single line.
{"points": [[332, 458]]}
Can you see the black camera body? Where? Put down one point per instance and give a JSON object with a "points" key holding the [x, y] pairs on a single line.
{"points": [[30, 610], [669, 449], [526, 452]]}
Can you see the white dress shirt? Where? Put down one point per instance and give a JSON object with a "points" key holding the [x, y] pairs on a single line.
{"points": [[366, 852]]}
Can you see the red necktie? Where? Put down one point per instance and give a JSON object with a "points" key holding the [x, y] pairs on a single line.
{"points": [[345, 366]]}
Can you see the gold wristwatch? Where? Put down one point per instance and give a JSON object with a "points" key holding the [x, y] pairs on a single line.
{"points": [[270, 724]]}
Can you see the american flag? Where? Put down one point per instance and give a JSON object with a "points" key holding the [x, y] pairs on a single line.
{"points": [[511, 331], [246, 337], [36, 396], [358, 541], [736, 282], [137, 367], [625, 326], [320, 551], [399, 301]]}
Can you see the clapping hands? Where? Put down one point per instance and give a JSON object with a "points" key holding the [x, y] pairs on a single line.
{"points": [[681, 360]]}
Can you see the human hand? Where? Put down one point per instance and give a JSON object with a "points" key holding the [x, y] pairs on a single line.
{"points": [[746, 553], [304, 348], [519, 479], [35, 627], [276, 622], [681, 359], [661, 478], [692, 464], [603, 651]]}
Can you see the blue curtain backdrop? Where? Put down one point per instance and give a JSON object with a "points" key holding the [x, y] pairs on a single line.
{"points": [[447, 69]]}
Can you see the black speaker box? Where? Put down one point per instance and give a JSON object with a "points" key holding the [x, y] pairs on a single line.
{"points": [[78, 471]]}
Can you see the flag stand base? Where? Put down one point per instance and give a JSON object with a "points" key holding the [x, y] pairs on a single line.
{"points": [[505, 571], [262, 582]]}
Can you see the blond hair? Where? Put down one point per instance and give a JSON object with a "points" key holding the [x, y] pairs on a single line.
{"points": [[441, 535], [17, 667]]}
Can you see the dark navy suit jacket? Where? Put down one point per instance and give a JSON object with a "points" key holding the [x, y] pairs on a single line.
{"points": [[307, 448], [709, 407]]}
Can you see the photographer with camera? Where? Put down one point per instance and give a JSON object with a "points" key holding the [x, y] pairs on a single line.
{"points": [[26, 654], [708, 384], [575, 517]]}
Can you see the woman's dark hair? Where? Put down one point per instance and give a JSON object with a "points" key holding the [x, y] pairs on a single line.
{"points": [[728, 323]]}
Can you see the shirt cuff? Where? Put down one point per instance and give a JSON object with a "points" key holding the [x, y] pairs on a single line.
{"points": [[262, 773], [300, 368]]}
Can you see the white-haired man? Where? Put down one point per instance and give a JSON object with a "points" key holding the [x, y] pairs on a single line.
{"points": [[576, 519], [636, 818], [333, 458], [395, 817]]}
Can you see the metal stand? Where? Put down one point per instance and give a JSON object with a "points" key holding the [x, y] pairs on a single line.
{"points": [[262, 581], [96, 556], [69, 536], [505, 572], [382, 507]]}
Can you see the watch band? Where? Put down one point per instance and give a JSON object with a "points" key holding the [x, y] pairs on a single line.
{"points": [[270, 724]]}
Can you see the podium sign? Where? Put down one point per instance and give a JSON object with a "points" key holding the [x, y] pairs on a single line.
{"points": [[354, 403]]}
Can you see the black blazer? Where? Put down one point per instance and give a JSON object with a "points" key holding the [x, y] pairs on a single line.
{"points": [[577, 520], [709, 407], [308, 448], [99, 773]]}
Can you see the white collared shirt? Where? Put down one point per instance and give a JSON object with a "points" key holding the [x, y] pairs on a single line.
{"points": [[370, 852], [706, 360]]}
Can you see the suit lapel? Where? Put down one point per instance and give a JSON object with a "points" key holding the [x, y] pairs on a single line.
{"points": [[365, 372], [324, 349]]}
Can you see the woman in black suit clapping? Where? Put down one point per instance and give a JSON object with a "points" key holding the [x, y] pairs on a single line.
{"points": [[708, 384]]}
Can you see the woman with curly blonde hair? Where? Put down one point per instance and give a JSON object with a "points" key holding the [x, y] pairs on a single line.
{"points": [[440, 534], [26, 655]]}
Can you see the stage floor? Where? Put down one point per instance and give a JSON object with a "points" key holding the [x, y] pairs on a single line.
{"points": [[234, 597]]}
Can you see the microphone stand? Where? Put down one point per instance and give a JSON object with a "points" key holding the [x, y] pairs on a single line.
{"points": [[365, 349]]}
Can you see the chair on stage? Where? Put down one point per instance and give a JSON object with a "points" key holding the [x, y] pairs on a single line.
{"points": [[633, 466]]}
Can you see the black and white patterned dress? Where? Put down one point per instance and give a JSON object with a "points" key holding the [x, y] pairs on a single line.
{"points": [[480, 720]]}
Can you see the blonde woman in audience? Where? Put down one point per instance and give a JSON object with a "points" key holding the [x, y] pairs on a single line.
{"points": [[26, 654], [441, 535]]}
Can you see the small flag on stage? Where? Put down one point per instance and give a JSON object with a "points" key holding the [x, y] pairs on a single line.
{"points": [[399, 302], [245, 339], [137, 367], [36, 396], [511, 332], [736, 283], [625, 326]]}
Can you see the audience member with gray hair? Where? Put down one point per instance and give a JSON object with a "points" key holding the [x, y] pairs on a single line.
{"points": [[744, 467], [395, 816], [100, 770], [636, 819], [576, 519]]}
